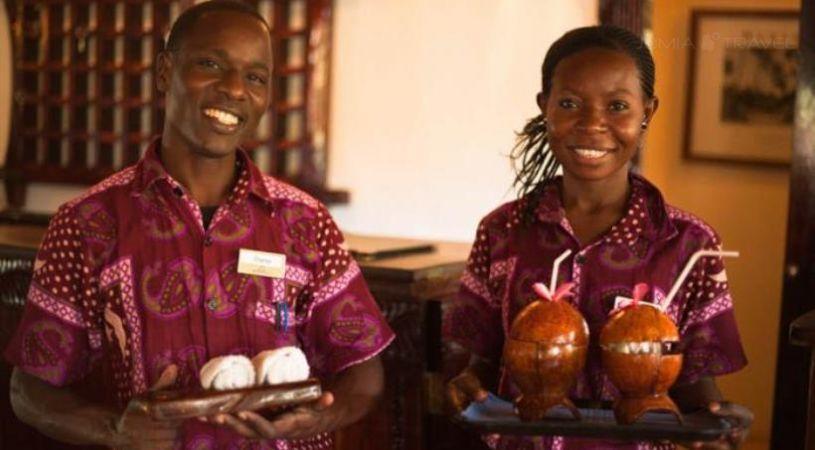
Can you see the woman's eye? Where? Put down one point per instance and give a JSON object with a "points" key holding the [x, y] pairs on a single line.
{"points": [[619, 106], [567, 103]]}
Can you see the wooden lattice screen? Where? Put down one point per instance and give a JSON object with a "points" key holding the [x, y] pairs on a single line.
{"points": [[85, 102]]}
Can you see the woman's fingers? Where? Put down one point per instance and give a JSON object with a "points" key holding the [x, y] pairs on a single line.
{"points": [[481, 395], [456, 399], [739, 417], [732, 410], [469, 384], [463, 389]]}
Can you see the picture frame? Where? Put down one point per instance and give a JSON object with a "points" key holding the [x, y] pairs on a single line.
{"points": [[742, 77]]}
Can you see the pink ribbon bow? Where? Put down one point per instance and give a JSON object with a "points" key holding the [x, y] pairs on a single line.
{"points": [[562, 291], [640, 291]]}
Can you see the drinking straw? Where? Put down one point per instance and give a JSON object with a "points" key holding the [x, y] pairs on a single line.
{"points": [[555, 267], [686, 270]]}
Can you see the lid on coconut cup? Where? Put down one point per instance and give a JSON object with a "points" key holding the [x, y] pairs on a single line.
{"points": [[550, 318], [639, 327]]}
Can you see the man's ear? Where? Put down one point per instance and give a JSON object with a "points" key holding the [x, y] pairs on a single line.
{"points": [[164, 70]]}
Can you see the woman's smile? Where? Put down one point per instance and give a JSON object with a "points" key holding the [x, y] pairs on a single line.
{"points": [[589, 153]]}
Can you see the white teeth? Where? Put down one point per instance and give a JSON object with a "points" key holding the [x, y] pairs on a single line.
{"points": [[224, 117], [590, 153]]}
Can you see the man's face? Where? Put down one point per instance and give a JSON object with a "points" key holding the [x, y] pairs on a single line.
{"points": [[217, 85]]}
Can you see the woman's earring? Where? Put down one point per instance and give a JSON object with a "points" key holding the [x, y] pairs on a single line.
{"points": [[644, 125]]}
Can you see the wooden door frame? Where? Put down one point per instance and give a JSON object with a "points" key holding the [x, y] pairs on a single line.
{"points": [[792, 366]]}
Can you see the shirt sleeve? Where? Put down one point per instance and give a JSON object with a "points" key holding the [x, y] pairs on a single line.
{"points": [[473, 319], [344, 326], [708, 331], [53, 341]]}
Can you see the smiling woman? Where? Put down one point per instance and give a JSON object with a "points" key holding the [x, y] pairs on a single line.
{"points": [[596, 103]]}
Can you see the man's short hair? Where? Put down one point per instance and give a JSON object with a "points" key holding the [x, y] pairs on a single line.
{"points": [[185, 22]]}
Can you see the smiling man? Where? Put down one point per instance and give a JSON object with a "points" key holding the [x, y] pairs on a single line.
{"points": [[137, 282]]}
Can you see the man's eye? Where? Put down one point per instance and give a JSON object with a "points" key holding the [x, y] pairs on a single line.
{"points": [[256, 78], [567, 103], [208, 63], [619, 106]]}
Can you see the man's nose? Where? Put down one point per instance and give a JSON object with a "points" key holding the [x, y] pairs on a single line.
{"points": [[232, 84]]}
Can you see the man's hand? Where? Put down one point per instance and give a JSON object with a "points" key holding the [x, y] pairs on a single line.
{"points": [[347, 398], [136, 430], [740, 419], [301, 422]]}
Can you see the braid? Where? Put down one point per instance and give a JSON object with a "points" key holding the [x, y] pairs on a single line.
{"points": [[534, 163]]}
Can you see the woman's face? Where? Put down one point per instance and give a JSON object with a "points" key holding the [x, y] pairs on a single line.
{"points": [[595, 111]]}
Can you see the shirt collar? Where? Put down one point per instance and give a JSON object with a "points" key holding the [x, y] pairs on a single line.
{"points": [[646, 215], [150, 170]]}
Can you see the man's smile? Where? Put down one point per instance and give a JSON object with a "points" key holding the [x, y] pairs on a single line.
{"points": [[223, 121]]}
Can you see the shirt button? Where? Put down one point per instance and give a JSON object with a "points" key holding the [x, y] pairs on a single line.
{"points": [[212, 304], [207, 241], [580, 259]]}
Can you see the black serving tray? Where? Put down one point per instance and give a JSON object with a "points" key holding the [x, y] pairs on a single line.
{"points": [[496, 415]]}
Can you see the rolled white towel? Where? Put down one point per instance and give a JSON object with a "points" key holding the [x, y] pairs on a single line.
{"points": [[228, 372], [281, 365]]}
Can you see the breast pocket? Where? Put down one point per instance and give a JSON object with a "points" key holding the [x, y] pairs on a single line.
{"points": [[279, 310]]}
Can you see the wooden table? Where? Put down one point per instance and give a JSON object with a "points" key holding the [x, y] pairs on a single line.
{"points": [[410, 289]]}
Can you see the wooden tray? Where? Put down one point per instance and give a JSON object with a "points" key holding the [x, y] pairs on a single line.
{"points": [[174, 405], [498, 416]]}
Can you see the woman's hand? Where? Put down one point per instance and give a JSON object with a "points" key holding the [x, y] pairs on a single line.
{"points": [[301, 422], [740, 419], [467, 387], [135, 429]]}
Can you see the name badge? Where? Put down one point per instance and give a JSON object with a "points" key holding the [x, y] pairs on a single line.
{"points": [[265, 264]]}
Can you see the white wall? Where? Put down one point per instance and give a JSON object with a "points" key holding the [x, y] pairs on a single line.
{"points": [[426, 96]]}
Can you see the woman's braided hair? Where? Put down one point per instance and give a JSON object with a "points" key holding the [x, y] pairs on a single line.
{"points": [[534, 163]]}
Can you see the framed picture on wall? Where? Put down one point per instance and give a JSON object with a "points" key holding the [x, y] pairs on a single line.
{"points": [[743, 67]]}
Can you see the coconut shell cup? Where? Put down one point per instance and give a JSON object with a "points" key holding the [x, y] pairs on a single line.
{"points": [[544, 353], [640, 355]]}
